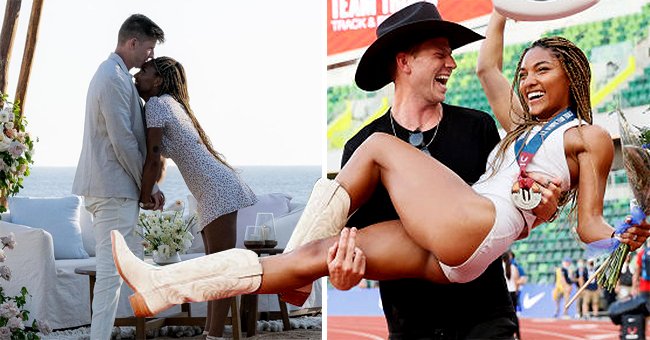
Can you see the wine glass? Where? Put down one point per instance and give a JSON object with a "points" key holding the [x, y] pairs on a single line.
{"points": [[254, 237], [269, 237], [267, 222]]}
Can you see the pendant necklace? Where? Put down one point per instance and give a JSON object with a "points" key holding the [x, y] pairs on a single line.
{"points": [[416, 138]]}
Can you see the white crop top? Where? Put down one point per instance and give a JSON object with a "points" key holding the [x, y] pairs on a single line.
{"points": [[549, 160]]}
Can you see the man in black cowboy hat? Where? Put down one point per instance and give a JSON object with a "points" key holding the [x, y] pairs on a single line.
{"points": [[413, 50]]}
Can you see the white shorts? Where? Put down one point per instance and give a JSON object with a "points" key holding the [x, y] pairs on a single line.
{"points": [[507, 227]]}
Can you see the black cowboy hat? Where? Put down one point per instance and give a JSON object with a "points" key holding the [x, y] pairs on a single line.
{"points": [[412, 24]]}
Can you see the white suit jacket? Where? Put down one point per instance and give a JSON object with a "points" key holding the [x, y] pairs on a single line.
{"points": [[114, 145]]}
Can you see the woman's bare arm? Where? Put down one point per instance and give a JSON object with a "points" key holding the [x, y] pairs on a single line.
{"points": [[497, 88], [152, 166], [595, 161], [594, 152]]}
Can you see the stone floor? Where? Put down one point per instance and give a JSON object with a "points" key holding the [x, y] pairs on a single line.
{"points": [[299, 331], [305, 327], [309, 334]]}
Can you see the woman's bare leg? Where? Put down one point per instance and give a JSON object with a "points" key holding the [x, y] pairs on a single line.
{"points": [[390, 254], [437, 208], [208, 316], [389, 251], [220, 234]]}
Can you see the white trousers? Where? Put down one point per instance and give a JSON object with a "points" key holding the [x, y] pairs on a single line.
{"points": [[110, 214]]}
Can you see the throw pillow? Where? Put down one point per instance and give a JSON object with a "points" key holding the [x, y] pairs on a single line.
{"points": [[57, 215], [87, 231]]}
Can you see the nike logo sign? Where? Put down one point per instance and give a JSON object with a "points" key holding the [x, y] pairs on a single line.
{"points": [[529, 302]]}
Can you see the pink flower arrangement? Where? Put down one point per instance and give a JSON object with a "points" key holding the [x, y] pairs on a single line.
{"points": [[16, 149], [12, 308]]}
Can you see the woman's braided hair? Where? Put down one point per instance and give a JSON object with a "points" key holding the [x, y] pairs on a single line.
{"points": [[576, 66], [174, 83]]}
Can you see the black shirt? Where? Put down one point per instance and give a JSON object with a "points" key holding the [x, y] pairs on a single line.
{"points": [[415, 308]]}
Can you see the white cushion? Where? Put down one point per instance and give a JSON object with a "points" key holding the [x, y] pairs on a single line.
{"points": [[5, 216], [59, 216], [192, 205], [87, 232], [284, 225], [197, 243]]}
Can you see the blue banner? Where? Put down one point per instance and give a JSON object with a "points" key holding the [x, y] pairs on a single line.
{"points": [[354, 302], [536, 301]]}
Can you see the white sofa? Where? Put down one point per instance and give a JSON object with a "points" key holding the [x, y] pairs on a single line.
{"points": [[61, 297]]}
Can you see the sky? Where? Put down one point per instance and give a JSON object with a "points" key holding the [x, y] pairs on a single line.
{"points": [[256, 72]]}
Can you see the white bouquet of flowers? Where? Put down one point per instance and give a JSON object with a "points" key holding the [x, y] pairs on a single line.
{"points": [[16, 150], [166, 233]]}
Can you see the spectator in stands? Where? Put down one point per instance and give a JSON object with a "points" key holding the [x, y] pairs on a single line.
{"points": [[591, 295], [641, 277], [576, 278], [512, 281], [562, 289], [523, 279], [624, 287]]}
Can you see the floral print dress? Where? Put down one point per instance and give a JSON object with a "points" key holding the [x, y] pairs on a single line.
{"points": [[218, 189]]}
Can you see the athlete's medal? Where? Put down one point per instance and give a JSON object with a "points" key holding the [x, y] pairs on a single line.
{"points": [[526, 194]]}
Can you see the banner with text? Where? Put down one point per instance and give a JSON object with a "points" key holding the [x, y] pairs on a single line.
{"points": [[351, 24]]}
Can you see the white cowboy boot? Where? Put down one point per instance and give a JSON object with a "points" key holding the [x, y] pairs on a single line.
{"points": [[324, 215], [211, 277]]}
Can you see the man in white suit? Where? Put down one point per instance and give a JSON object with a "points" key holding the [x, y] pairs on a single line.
{"points": [[109, 172]]}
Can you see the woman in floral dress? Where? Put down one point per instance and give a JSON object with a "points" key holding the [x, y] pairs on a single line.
{"points": [[173, 132]]}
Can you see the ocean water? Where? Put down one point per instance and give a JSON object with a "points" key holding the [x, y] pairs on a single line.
{"points": [[296, 181]]}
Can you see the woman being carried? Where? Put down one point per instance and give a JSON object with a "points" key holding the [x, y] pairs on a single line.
{"points": [[447, 231], [174, 132]]}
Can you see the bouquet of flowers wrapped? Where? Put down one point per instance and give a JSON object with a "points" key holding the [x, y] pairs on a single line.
{"points": [[635, 144], [16, 149], [166, 232]]}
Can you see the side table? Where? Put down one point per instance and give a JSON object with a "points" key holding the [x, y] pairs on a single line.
{"points": [[250, 313], [184, 318]]}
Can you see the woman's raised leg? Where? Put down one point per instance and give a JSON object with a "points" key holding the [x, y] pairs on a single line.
{"points": [[437, 208], [390, 254]]}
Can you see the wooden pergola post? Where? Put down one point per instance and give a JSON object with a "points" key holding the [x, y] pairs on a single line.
{"points": [[12, 9], [28, 55]]}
